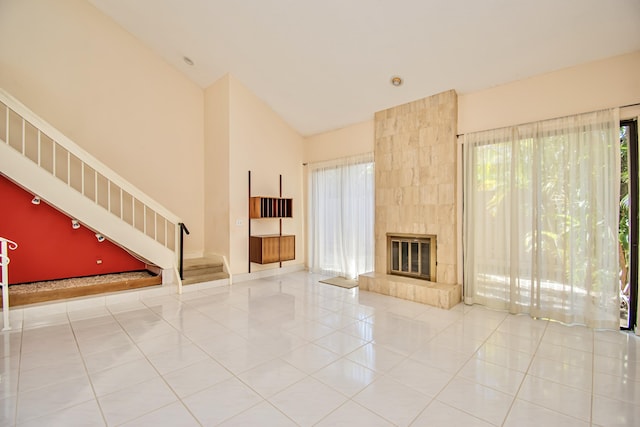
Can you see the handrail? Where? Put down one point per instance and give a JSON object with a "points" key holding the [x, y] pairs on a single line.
{"points": [[183, 230], [5, 245], [55, 154], [73, 148]]}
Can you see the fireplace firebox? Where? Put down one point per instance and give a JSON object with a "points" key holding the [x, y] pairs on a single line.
{"points": [[412, 255]]}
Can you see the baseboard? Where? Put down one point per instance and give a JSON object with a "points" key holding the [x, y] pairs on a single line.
{"points": [[243, 277]]}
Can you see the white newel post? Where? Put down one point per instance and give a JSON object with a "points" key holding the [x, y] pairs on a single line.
{"points": [[5, 245]]}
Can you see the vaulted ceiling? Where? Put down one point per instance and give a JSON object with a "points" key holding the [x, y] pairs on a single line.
{"points": [[326, 64]]}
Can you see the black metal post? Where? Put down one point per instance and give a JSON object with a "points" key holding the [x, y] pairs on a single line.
{"points": [[183, 229], [249, 227]]}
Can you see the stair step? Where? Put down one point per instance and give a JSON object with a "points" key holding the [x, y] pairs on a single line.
{"points": [[198, 270], [204, 278], [196, 263], [198, 266], [201, 271]]}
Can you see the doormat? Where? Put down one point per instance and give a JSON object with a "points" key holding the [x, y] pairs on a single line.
{"points": [[341, 281]]}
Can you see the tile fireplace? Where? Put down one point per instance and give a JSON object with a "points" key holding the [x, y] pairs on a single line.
{"points": [[415, 155]]}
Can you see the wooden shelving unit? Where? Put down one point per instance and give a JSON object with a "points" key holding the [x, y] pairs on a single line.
{"points": [[270, 248], [270, 207], [267, 249]]}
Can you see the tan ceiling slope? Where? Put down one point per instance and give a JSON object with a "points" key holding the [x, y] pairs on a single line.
{"points": [[326, 64]]}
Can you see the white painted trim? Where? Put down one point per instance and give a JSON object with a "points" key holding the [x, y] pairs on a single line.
{"points": [[178, 279], [226, 269], [225, 263], [244, 277], [206, 285], [5, 246]]}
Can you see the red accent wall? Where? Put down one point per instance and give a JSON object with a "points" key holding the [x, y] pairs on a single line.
{"points": [[48, 247]]}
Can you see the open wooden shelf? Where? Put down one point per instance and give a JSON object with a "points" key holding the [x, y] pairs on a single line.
{"points": [[270, 207]]}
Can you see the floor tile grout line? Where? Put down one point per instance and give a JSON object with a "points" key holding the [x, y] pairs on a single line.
{"points": [[84, 364], [348, 398], [337, 308], [565, 385], [15, 410], [70, 325], [233, 375], [457, 372], [178, 399], [533, 356], [453, 375], [306, 376]]}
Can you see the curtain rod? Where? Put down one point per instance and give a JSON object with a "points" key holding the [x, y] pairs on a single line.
{"points": [[630, 105], [623, 106], [353, 159]]}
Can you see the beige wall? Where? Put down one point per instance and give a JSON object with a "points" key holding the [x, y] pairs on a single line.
{"points": [[216, 167], [613, 82], [260, 141], [111, 95], [345, 142]]}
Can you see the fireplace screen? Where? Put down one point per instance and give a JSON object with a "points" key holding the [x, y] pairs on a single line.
{"points": [[411, 255]]}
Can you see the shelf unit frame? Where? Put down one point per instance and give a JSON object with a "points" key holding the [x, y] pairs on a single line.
{"points": [[274, 208]]}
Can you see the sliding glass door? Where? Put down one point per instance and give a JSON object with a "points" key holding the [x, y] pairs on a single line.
{"points": [[541, 219], [628, 230], [341, 216]]}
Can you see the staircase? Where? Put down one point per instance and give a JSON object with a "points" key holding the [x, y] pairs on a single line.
{"points": [[198, 270], [48, 164]]}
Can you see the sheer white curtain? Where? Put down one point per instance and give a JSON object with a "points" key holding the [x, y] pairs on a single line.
{"points": [[541, 219], [341, 215]]}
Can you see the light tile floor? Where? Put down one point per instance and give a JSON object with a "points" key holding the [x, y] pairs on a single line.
{"points": [[288, 350]]}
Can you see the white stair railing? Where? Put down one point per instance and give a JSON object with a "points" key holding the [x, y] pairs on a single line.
{"points": [[22, 130], [5, 246], [45, 146]]}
